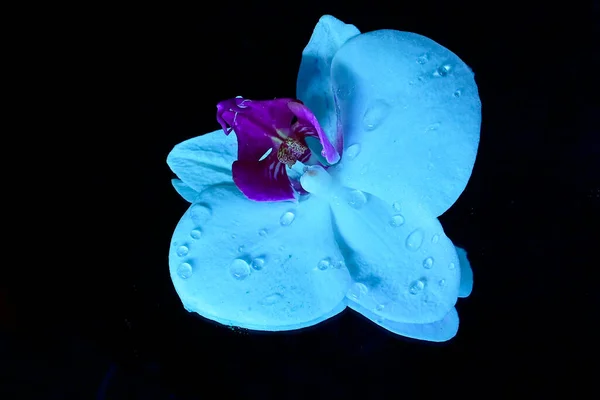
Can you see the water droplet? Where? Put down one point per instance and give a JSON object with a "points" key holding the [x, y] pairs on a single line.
{"points": [[182, 251], [324, 264], [380, 307], [357, 290], [430, 166], [428, 262], [233, 235], [443, 70], [356, 199], [457, 93], [262, 232], [397, 220], [271, 299], [433, 127], [196, 234], [396, 206], [200, 213], [258, 263], [339, 264], [423, 58], [451, 266], [442, 282], [435, 239], [239, 269], [287, 218], [352, 151], [417, 286], [241, 249], [184, 270], [414, 240], [375, 114]]}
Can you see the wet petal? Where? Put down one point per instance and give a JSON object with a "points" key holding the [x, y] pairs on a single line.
{"points": [[411, 109], [403, 266], [204, 160], [466, 274], [265, 266], [438, 331], [184, 190], [314, 80]]}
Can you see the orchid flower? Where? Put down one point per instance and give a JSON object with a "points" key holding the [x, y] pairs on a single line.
{"points": [[301, 208]]}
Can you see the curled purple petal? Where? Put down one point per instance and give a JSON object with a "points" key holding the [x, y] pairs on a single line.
{"points": [[308, 125]]}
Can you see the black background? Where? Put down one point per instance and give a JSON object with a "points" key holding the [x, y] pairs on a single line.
{"points": [[122, 87]]}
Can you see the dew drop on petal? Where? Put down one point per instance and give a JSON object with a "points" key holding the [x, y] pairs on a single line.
{"points": [[414, 240], [428, 262], [451, 266], [356, 199], [457, 93], [435, 239], [239, 269], [357, 290], [287, 218], [258, 263], [182, 251], [380, 307], [324, 264], [397, 220], [375, 114], [352, 151], [262, 232], [417, 286], [442, 282], [184, 270], [396, 206], [443, 70], [196, 234]]}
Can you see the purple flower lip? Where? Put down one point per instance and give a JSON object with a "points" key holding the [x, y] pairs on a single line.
{"points": [[280, 126]]}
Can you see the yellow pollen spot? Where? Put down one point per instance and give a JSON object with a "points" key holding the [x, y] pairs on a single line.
{"points": [[290, 151]]}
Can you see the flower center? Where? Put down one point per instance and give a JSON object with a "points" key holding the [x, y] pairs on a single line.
{"points": [[290, 151]]}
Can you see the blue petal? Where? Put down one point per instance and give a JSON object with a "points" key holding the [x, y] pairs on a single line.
{"points": [[439, 331], [204, 160], [314, 80], [184, 190], [403, 266], [466, 274], [258, 265], [411, 115]]}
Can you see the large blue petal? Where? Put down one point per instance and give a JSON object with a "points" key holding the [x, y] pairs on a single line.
{"points": [[203, 161], [314, 80], [411, 115], [258, 265], [404, 267]]}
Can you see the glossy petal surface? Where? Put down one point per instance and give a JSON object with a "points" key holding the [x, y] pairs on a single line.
{"points": [[411, 110], [314, 80], [264, 266]]}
